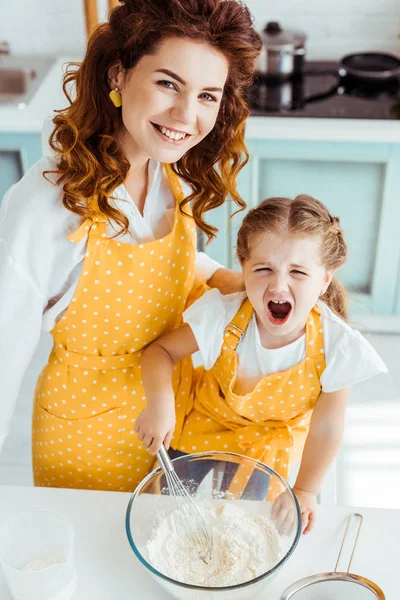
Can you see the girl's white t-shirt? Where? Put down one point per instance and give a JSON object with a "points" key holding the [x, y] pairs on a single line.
{"points": [[350, 358]]}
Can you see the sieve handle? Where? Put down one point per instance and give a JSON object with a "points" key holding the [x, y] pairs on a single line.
{"points": [[352, 517], [164, 460]]}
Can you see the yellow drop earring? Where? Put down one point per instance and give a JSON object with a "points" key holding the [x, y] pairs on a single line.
{"points": [[116, 97]]}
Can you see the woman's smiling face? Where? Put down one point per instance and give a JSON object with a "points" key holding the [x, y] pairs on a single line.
{"points": [[284, 278], [170, 99]]}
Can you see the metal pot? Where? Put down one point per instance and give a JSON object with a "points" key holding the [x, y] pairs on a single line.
{"points": [[276, 95], [283, 52]]}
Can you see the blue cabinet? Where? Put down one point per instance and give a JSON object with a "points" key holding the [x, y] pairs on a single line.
{"points": [[18, 152], [360, 183]]}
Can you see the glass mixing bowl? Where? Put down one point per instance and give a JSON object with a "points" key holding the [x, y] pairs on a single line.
{"points": [[209, 476]]}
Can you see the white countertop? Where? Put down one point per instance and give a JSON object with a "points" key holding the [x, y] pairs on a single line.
{"points": [[50, 97], [108, 569], [323, 130]]}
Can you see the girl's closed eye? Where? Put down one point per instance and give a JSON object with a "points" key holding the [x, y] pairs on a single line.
{"points": [[297, 272]]}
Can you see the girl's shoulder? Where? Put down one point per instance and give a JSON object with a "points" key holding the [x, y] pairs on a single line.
{"points": [[212, 305], [350, 358], [208, 318], [338, 330], [331, 319]]}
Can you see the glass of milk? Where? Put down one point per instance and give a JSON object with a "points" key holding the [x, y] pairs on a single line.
{"points": [[37, 556]]}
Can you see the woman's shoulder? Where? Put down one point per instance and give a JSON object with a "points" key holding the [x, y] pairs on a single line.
{"points": [[35, 186], [34, 203]]}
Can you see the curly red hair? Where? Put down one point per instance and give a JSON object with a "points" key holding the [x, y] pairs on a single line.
{"points": [[90, 162]]}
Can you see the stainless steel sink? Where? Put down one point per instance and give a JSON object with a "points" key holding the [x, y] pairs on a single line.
{"points": [[21, 76]]}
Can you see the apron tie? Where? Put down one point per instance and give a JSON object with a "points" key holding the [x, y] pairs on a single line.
{"points": [[90, 224], [257, 439], [86, 361]]}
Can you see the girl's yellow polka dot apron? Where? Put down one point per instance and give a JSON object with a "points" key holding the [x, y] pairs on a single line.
{"points": [[271, 422], [90, 393]]}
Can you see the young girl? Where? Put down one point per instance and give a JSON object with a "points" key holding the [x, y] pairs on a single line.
{"points": [[279, 359]]}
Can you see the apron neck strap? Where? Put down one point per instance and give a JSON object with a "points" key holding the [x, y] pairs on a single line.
{"points": [[314, 334], [236, 328], [174, 182], [96, 225]]}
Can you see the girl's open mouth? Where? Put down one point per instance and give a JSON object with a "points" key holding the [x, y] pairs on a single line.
{"points": [[278, 311]]}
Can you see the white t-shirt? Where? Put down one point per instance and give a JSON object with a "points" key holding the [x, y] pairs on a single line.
{"points": [[40, 267], [349, 357]]}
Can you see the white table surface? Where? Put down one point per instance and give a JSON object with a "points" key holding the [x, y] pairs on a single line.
{"points": [[108, 569], [50, 96]]}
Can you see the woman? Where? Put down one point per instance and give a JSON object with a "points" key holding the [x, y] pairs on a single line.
{"points": [[98, 244]]}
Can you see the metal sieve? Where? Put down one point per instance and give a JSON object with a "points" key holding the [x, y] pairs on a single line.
{"points": [[336, 585]]}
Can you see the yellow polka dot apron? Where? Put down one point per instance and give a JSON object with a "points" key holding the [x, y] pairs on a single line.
{"points": [[271, 422], [90, 393]]}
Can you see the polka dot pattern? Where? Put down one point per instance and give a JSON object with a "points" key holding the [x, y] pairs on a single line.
{"points": [[90, 393], [271, 422]]}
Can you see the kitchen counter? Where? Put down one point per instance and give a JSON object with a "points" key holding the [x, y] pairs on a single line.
{"points": [[108, 570], [323, 130], [50, 97]]}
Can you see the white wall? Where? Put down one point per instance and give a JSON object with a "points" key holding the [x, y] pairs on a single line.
{"points": [[335, 27]]}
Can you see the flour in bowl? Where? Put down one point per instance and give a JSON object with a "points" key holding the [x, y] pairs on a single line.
{"points": [[245, 546]]}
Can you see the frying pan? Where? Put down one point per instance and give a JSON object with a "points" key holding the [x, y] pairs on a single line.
{"points": [[370, 66]]}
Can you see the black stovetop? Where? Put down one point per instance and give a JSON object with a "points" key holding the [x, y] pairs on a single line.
{"points": [[322, 93]]}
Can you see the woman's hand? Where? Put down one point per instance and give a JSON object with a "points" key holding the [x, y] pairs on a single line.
{"points": [[284, 514], [155, 427], [227, 281]]}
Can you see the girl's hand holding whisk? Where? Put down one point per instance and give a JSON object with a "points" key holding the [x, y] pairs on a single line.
{"points": [[155, 426]]}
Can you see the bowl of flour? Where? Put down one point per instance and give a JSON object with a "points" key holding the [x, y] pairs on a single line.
{"points": [[235, 495]]}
